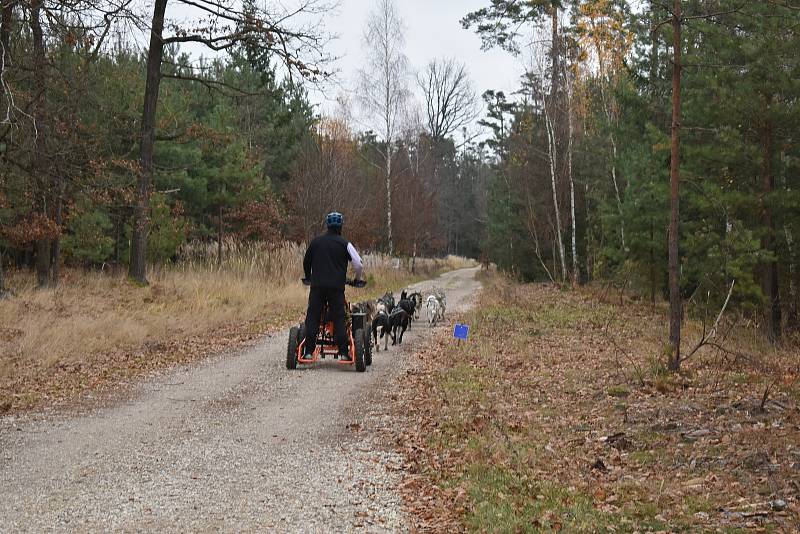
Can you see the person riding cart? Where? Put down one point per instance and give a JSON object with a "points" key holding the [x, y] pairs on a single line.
{"points": [[325, 269]]}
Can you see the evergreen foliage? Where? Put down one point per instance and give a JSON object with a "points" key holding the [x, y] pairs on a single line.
{"points": [[739, 200]]}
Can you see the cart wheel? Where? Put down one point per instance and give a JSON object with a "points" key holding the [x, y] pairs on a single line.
{"points": [[358, 339], [291, 350], [367, 349]]}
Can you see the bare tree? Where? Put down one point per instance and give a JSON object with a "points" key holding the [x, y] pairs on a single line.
{"points": [[299, 47], [450, 98], [383, 88], [327, 178]]}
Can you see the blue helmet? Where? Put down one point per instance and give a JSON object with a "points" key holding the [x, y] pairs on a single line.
{"points": [[334, 220]]}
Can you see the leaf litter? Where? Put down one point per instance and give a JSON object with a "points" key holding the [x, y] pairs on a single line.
{"points": [[540, 423]]}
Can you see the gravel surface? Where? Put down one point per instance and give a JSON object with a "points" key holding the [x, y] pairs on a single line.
{"points": [[236, 443]]}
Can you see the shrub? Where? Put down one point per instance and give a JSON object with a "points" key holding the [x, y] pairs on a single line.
{"points": [[87, 240]]}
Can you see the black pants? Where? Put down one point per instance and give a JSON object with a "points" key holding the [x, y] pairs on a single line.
{"points": [[318, 297]]}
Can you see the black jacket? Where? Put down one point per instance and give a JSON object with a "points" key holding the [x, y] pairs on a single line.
{"points": [[325, 262]]}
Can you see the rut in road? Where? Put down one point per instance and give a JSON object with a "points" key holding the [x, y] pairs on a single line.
{"points": [[235, 443]]}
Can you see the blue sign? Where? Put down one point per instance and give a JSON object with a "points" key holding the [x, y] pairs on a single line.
{"points": [[461, 331]]}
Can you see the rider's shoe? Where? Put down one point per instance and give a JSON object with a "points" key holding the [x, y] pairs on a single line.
{"points": [[344, 357]]}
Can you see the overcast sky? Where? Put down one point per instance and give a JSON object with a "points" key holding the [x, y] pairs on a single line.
{"points": [[433, 29]]}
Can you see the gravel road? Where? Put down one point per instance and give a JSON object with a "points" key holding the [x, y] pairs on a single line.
{"points": [[235, 443]]}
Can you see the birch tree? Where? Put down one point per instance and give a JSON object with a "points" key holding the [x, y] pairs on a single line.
{"points": [[383, 88], [569, 93], [552, 156], [554, 117]]}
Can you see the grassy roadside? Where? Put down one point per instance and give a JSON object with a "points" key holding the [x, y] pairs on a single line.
{"points": [[98, 329], [558, 416]]}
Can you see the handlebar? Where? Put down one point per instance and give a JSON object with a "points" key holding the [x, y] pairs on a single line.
{"points": [[352, 283]]}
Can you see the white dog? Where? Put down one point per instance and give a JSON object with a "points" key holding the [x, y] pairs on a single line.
{"points": [[434, 310], [440, 296]]}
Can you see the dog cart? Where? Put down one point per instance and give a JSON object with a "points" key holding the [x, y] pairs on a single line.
{"points": [[358, 333]]}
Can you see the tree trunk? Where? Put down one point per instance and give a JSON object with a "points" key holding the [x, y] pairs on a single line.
{"points": [[39, 163], [6, 20], [6, 23], [117, 237], [531, 224], [589, 240], [675, 305], [652, 266], [137, 269], [389, 197], [511, 252], [791, 305], [219, 236], [769, 273], [616, 192], [42, 263], [559, 241], [555, 53], [55, 253], [570, 133], [553, 132], [3, 289]]}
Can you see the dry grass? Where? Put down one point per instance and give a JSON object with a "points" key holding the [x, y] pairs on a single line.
{"points": [[95, 320], [91, 312]]}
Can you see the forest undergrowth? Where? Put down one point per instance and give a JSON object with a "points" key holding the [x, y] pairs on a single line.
{"points": [[98, 328], [559, 414]]}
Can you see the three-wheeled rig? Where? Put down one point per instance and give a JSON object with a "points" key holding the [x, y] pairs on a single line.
{"points": [[357, 332]]}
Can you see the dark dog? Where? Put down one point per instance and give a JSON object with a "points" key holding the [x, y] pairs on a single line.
{"points": [[409, 306], [398, 320], [381, 321], [416, 296]]}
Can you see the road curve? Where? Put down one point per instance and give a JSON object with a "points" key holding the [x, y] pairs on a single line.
{"points": [[235, 443]]}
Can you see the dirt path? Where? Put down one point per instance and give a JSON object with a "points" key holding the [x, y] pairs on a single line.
{"points": [[235, 443]]}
